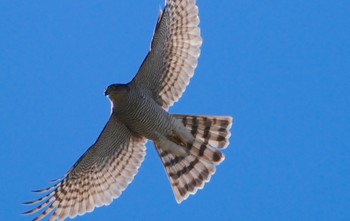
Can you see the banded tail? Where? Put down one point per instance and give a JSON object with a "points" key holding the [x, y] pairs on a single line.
{"points": [[189, 173]]}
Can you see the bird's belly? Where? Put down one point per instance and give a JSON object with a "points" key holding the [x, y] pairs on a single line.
{"points": [[148, 119]]}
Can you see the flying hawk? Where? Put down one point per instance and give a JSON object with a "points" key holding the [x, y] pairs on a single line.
{"points": [[189, 146]]}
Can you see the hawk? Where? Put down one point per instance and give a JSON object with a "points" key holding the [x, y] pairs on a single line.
{"points": [[188, 146]]}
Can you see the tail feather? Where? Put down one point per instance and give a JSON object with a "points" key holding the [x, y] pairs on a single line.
{"points": [[212, 129], [189, 173]]}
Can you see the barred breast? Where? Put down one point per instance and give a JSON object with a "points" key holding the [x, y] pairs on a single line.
{"points": [[141, 114]]}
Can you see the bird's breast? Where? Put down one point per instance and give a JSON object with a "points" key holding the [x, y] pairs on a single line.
{"points": [[141, 114]]}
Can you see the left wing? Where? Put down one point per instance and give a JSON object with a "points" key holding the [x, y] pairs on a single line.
{"points": [[175, 48], [98, 177]]}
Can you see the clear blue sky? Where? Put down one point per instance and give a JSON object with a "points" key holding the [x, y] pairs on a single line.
{"points": [[280, 68]]}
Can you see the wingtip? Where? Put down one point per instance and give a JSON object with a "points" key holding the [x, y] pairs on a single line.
{"points": [[27, 203], [27, 212], [36, 191]]}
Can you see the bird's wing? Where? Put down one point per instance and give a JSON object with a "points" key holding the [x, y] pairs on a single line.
{"points": [[98, 177], [174, 52]]}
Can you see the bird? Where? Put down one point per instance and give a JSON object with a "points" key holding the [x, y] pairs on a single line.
{"points": [[189, 146]]}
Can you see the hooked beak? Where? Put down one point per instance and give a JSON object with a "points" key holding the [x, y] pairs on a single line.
{"points": [[106, 92]]}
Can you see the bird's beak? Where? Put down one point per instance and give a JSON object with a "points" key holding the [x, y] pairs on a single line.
{"points": [[106, 92]]}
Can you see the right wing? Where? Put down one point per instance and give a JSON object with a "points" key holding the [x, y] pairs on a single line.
{"points": [[98, 177], [175, 48]]}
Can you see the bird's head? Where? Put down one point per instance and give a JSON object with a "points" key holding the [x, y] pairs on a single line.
{"points": [[116, 91]]}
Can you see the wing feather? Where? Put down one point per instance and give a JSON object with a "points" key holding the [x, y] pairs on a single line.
{"points": [[175, 48], [98, 177]]}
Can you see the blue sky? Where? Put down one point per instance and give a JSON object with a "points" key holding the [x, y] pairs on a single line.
{"points": [[280, 68]]}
